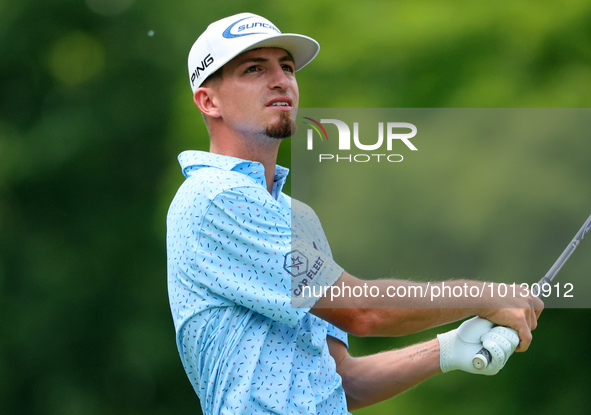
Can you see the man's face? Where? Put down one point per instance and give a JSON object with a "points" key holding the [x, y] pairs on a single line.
{"points": [[258, 93]]}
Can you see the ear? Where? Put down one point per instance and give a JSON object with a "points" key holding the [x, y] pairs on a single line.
{"points": [[206, 101]]}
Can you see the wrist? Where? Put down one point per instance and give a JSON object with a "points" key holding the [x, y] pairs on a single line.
{"points": [[446, 343]]}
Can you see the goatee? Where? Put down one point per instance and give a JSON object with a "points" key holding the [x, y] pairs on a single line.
{"points": [[283, 128]]}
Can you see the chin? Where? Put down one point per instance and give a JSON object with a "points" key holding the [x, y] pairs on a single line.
{"points": [[283, 128]]}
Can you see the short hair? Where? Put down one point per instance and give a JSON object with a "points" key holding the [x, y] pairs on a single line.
{"points": [[214, 77]]}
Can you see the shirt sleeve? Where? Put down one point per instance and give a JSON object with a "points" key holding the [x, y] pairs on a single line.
{"points": [[338, 334], [311, 265], [245, 249]]}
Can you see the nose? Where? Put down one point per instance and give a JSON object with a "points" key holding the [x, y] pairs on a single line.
{"points": [[279, 79]]}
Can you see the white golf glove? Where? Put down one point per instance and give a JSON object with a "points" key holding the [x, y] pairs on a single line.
{"points": [[458, 347]]}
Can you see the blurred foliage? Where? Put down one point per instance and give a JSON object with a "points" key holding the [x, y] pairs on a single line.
{"points": [[95, 105]]}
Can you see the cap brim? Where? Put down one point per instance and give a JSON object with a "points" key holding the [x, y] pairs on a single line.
{"points": [[302, 48]]}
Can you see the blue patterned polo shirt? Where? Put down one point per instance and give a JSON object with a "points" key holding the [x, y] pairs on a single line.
{"points": [[245, 347]]}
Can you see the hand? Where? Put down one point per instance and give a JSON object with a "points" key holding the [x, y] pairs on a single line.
{"points": [[519, 313], [458, 347]]}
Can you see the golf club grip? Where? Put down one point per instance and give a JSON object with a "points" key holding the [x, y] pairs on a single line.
{"points": [[483, 357]]}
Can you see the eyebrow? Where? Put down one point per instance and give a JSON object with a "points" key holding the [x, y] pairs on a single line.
{"points": [[286, 58]]}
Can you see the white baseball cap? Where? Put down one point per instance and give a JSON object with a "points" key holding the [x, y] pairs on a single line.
{"points": [[229, 37]]}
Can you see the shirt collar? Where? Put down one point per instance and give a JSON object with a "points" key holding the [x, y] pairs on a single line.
{"points": [[192, 161]]}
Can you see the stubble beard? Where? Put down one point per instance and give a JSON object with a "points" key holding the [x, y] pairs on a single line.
{"points": [[283, 128]]}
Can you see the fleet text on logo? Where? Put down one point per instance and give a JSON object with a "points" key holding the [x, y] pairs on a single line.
{"points": [[391, 132]]}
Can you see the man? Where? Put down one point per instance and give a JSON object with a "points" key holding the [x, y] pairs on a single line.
{"points": [[231, 238]]}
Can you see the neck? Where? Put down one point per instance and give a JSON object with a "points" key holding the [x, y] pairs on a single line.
{"points": [[262, 150]]}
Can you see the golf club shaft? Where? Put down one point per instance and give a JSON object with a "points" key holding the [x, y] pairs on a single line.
{"points": [[483, 357]]}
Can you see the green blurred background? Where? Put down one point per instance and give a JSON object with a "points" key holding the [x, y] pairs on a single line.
{"points": [[95, 105]]}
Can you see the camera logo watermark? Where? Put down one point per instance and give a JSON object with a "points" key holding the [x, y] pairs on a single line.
{"points": [[388, 134]]}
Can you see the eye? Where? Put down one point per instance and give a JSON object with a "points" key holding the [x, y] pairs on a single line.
{"points": [[251, 69], [288, 68]]}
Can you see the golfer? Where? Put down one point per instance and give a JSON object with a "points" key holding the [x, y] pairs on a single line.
{"points": [[232, 258]]}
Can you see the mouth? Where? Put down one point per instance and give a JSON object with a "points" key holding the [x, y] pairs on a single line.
{"points": [[284, 103]]}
